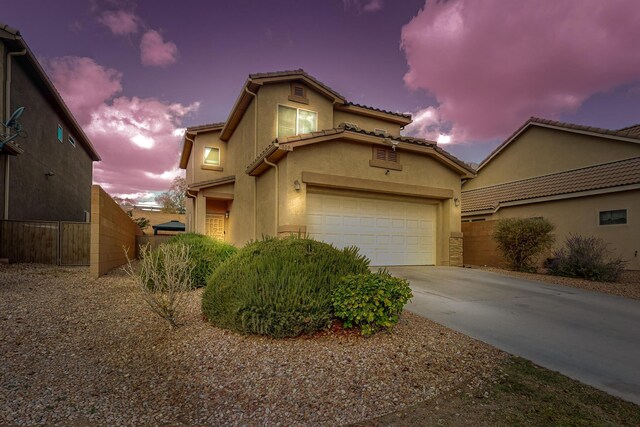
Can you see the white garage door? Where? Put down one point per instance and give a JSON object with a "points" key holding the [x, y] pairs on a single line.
{"points": [[388, 232]]}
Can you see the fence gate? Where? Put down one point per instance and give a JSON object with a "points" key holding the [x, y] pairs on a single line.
{"points": [[45, 242]]}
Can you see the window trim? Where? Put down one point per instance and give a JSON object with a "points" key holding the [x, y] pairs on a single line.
{"points": [[210, 166], [297, 128], [626, 217], [60, 133], [72, 141]]}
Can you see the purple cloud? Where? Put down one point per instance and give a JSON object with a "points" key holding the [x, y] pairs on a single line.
{"points": [[492, 64], [120, 22], [154, 51]]}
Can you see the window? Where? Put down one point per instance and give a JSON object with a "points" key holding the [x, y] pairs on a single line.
{"points": [[385, 158], [613, 217], [212, 156], [60, 134], [294, 121], [385, 154], [72, 141]]}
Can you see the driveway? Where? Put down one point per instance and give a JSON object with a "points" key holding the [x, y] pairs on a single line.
{"points": [[589, 336]]}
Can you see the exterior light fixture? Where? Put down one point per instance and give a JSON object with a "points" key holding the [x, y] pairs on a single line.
{"points": [[296, 185], [226, 214], [49, 174], [456, 201]]}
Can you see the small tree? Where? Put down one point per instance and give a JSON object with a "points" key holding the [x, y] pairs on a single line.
{"points": [[521, 240], [141, 221], [163, 279], [172, 201]]}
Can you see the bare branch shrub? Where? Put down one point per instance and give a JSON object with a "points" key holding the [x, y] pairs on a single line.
{"points": [[164, 279]]}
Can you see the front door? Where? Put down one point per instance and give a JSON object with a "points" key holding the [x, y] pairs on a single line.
{"points": [[214, 226]]}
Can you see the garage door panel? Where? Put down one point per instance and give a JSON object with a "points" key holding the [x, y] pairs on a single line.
{"points": [[388, 232]]}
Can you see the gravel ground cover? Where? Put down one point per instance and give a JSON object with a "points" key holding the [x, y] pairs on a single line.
{"points": [[88, 352], [628, 286]]}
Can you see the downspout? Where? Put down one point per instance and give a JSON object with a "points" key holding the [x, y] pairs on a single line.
{"points": [[7, 114], [273, 165], [195, 210], [255, 154]]}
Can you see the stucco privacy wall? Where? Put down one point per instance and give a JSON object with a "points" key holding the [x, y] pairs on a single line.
{"points": [[156, 218], [111, 231], [580, 216], [541, 151]]}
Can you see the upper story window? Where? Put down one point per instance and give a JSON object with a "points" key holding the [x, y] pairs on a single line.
{"points": [[72, 141], [613, 217], [295, 121], [211, 156], [60, 133]]}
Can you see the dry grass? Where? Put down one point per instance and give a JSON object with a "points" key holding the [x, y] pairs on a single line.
{"points": [[80, 351]]}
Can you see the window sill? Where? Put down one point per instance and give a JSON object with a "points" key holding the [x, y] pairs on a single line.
{"points": [[299, 99], [212, 168], [385, 164]]}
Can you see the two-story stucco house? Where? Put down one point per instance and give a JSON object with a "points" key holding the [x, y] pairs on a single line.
{"points": [[294, 156], [46, 173]]}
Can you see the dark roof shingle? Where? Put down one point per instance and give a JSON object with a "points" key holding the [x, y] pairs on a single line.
{"points": [[606, 175]]}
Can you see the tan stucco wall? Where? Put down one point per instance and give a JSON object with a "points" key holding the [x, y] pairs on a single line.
{"points": [[366, 123], [347, 159], [580, 216], [196, 171], [111, 231], [540, 151]]}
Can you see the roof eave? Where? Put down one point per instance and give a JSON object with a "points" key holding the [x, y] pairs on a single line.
{"points": [[394, 118], [79, 132]]}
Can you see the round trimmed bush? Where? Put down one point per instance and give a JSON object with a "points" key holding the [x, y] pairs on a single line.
{"points": [[205, 252], [279, 287]]}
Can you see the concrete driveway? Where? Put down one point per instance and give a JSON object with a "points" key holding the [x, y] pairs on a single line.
{"points": [[588, 336]]}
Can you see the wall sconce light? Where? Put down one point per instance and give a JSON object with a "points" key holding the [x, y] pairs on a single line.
{"points": [[49, 174], [226, 214], [456, 201], [296, 185]]}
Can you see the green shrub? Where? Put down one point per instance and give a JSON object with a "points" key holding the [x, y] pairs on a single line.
{"points": [[370, 301], [521, 240], [587, 258], [279, 287], [205, 252]]}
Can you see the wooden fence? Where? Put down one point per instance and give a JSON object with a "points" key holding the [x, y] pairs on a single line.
{"points": [[478, 246], [45, 242]]}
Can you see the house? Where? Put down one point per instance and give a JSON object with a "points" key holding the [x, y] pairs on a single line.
{"points": [[46, 171], [585, 180], [294, 156]]}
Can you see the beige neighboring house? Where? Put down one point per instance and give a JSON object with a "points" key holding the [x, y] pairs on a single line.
{"points": [[294, 156], [585, 180]]}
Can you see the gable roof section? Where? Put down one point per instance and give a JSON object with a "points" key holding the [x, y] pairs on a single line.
{"points": [[187, 144], [603, 176], [281, 146], [255, 81], [14, 39], [629, 134]]}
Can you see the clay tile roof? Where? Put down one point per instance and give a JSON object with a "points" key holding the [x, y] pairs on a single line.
{"points": [[633, 131], [205, 126], [408, 116], [606, 175], [299, 71]]}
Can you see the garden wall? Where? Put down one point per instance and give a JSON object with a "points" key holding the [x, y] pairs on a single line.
{"points": [[112, 230], [478, 247]]}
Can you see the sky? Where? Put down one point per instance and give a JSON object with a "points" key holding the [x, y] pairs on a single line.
{"points": [[136, 73]]}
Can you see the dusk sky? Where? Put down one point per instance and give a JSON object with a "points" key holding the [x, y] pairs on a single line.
{"points": [[135, 73]]}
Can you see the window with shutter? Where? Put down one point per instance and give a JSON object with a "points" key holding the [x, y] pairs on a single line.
{"points": [[385, 158]]}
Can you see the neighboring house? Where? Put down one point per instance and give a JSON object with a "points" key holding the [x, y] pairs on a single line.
{"points": [[585, 180], [294, 156], [154, 215], [46, 173]]}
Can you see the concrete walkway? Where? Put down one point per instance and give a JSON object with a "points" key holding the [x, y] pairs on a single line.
{"points": [[589, 336]]}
